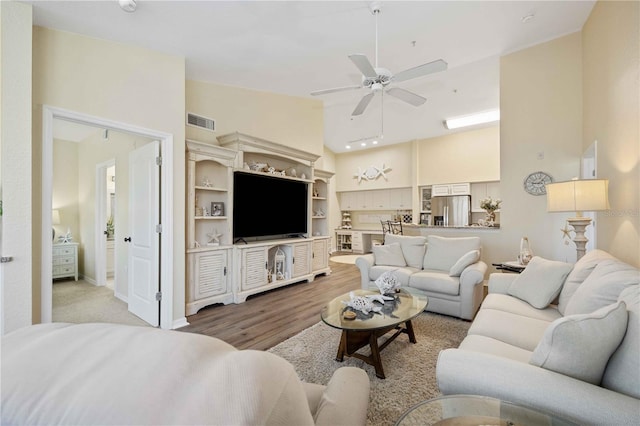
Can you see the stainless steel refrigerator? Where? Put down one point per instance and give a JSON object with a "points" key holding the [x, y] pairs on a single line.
{"points": [[454, 210]]}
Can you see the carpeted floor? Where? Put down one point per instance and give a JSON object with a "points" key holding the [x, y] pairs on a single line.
{"points": [[81, 302], [409, 368]]}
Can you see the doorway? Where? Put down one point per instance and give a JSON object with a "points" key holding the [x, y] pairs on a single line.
{"points": [[165, 266]]}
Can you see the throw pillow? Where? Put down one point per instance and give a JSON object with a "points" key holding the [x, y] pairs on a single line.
{"points": [[567, 340], [540, 282], [413, 248], [389, 255], [602, 287], [444, 252], [469, 258], [579, 273]]}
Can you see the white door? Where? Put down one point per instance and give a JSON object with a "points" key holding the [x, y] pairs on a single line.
{"points": [[144, 241]]}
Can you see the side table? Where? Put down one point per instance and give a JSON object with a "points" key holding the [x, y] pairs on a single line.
{"points": [[511, 266], [472, 410]]}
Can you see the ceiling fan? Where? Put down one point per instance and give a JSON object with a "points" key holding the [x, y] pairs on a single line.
{"points": [[378, 79]]}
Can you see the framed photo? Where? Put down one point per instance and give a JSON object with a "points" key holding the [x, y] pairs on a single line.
{"points": [[217, 209]]}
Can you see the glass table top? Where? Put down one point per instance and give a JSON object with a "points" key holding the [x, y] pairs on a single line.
{"points": [[467, 410], [402, 308]]}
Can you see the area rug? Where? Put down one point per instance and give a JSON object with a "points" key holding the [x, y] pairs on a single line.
{"points": [[410, 369], [346, 258]]}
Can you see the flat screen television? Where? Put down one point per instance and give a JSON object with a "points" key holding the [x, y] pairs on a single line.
{"points": [[267, 206]]}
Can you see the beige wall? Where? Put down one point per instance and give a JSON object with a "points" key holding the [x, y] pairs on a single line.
{"points": [[477, 150], [288, 120], [16, 301], [65, 191], [396, 157], [541, 114], [611, 70], [116, 82]]}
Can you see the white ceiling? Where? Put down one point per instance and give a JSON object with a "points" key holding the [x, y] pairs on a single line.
{"points": [[296, 47]]}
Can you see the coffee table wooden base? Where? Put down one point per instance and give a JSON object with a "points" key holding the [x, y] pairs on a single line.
{"points": [[351, 341]]}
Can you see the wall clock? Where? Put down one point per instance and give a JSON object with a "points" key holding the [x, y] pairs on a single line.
{"points": [[535, 183]]}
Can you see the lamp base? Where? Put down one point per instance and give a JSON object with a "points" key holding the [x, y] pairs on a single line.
{"points": [[579, 224]]}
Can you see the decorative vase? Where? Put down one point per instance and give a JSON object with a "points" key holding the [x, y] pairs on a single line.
{"points": [[490, 217], [525, 251]]}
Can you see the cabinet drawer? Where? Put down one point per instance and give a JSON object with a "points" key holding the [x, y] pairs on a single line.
{"points": [[63, 251], [64, 260], [64, 270]]}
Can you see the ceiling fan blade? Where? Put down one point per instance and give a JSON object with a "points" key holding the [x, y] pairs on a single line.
{"points": [[362, 105], [363, 64], [421, 70], [336, 89], [405, 95]]}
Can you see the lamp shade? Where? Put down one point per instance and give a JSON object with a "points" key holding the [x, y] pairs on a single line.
{"points": [[55, 217], [578, 195]]}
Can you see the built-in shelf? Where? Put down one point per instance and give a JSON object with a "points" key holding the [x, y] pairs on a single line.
{"points": [[319, 198], [210, 188], [210, 217]]}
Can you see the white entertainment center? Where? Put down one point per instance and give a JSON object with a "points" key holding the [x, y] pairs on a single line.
{"points": [[219, 271]]}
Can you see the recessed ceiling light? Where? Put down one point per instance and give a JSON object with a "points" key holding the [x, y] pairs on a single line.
{"points": [[348, 146], [470, 120], [128, 5], [363, 144], [375, 142]]}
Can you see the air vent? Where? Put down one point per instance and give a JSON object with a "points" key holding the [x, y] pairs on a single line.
{"points": [[202, 122]]}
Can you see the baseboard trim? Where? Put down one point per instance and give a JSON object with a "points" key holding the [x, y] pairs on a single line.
{"points": [[179, 323]]}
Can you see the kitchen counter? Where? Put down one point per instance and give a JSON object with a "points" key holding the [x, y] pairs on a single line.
{"points": [[472, 227]]}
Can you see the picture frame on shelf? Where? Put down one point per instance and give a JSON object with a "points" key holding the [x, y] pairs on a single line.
{"points": [[217, 208]]}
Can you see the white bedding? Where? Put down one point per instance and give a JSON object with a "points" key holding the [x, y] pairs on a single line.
{"points": [[112, 374]]}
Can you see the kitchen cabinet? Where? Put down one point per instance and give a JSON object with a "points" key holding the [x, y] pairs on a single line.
{"points": [[451, 189], [400, 199], [481, 190], [378, 199]]}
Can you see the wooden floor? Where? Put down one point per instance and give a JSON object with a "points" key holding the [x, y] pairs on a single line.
{"points": [[267, 319]]}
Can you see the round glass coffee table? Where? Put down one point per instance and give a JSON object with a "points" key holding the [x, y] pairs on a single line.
{"points": [[471, 410], [365, 329]]}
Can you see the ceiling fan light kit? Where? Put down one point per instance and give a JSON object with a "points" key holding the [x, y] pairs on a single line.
{"points": [[380, 80]]}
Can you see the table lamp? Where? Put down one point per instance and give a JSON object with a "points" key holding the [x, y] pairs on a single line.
{"points": [[578, 196], [55, 220]]}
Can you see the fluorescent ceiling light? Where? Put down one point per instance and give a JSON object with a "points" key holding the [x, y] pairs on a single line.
{"points": [[471, 120]]}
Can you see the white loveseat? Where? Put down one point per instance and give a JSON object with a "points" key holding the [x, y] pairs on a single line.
{"points": [[111, 374], [447, 270], [578, 358]]}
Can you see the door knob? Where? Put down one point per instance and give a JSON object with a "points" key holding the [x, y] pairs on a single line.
{"points": [[127, 239]]}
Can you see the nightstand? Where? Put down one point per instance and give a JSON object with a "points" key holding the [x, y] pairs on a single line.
{"points": [[65, 260]]}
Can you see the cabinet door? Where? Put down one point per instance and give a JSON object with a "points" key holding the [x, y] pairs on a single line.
{"points": [[425, 193], [254, 267], [478, 192], [460, 189], [405, 199], [320, 254], [347, 201], [439, 190], [210, 277], [380, 199], [493, 190], [301, 259]]}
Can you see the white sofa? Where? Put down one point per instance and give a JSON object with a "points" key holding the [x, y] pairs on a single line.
{"points": [[111, 374], [447, 270], [577, 356]]}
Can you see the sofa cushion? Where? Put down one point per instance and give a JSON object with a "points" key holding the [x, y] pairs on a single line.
{"points": [[413, 248], [389, 255], [467, 259], [623, 369], [540, 282], [443, 252], [517, 330], [436, 282], [602, 287], [489, 345], [580, 346], [506, 303], [581, 270], [402, 274]]}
